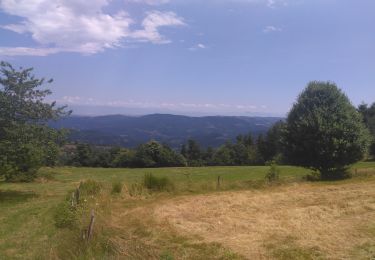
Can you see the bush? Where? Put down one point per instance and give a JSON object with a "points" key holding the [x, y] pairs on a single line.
{"points": [[335, 174], [273, 173], [116, 187], [90, 187], [65, 216], [152, 182], [46, 174]]}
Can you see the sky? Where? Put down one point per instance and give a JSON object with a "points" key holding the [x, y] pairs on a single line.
{"points": [[191, 57]]}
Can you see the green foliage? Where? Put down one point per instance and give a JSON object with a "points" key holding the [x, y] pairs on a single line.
{"points": [[192, 152], [65, 216], [243, 152], [223, 156], [166, 256], [90, 187], [324, 131], [26, 141], [270, 147], [123, 158], [153, 154], [368, 113], [155, 183], [116, 187], [273, 173]]}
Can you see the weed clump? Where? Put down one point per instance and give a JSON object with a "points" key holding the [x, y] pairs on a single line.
{"points": [[90, 187], [65, 216], [273, 174], [155, 183], [116, 187]]}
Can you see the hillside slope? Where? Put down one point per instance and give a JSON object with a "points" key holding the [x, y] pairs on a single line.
{"points": [[171, 129]]}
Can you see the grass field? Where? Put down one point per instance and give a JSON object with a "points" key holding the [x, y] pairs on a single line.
{"points": [[182, 224]]}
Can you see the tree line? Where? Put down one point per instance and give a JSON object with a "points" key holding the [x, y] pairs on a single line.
{"points": [[244, 151], [323, 131]]}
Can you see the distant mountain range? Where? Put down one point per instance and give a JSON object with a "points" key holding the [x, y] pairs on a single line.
{"points": [[174, 130]]}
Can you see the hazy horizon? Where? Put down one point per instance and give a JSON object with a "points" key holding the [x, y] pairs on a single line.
{"points": [[110, 111]]}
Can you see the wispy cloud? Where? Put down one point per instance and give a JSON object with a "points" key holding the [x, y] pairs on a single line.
{"points": [[77, 100], [151, 24], [199, 46], [149, 2], [271, 28], [24, 51], [80, 26]]}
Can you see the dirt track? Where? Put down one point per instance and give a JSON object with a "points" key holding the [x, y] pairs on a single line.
{"points": [[328, 221]]}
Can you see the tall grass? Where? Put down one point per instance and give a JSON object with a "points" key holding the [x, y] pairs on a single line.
{"points": [[155, 183]]}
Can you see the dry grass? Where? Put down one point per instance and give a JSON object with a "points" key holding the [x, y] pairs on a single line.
{"points": [[136, 234], [300, 221]]}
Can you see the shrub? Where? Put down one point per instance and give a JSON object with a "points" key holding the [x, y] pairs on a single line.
{"points": [[90, 187], [65, 216], [273, 172], [116, 187], [152, 182], [166, 256], [46, 174]]}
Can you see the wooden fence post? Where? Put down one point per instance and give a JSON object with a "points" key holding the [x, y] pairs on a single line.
{"points": [[77, 194], [91, 226], [218, 182], [73, 199]]}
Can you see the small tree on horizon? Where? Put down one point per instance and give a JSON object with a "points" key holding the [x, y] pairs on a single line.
{"points": [[324, 131]]}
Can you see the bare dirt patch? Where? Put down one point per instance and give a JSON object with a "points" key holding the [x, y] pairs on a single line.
{"points": [[305, 221]]}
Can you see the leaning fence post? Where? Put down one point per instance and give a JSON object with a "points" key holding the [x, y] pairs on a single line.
{"points": [[91, 225], [77, 194], [73, 199]]}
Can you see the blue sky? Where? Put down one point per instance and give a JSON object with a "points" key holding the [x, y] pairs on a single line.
{"points": [[213, 57]]}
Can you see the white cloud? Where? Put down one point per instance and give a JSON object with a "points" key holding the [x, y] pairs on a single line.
{"points": [[24, 51], [271, 28], [77, 100], [79, 26], [197, 47], [151, 24]]}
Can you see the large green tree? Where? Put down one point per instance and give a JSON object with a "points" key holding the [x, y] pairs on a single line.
{"points": [[368, 113], [154, 154], [26, 141], [324, 131]]}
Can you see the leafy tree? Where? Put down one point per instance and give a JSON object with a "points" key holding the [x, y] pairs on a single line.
{"points": [[153, 154], [247, 140], [83, 156], [26, 141], [269, 147], [239, 154], [123, 158], [223, 156], [193, 153], [368, 113], [208, 156], [324, 131]]}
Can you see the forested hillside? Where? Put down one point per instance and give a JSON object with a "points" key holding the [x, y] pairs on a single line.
{"points": [[173, 130]]}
